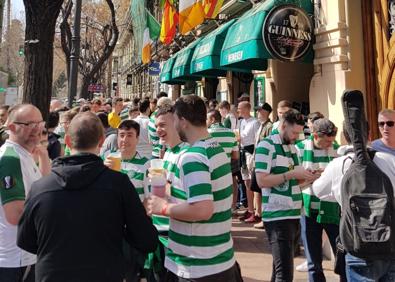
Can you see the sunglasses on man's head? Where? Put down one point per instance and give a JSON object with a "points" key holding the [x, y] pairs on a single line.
{"points": [[389, 123]]}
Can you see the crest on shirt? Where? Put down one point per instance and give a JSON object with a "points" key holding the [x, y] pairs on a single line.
{"points": [[8, 182]]}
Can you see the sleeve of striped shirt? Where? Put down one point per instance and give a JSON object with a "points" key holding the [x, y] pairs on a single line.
{"points": [[264, 156], [300, 150], [196, 177]]}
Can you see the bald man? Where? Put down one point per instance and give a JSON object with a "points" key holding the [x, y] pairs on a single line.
{"points": [[75, 218], [18, 171]]}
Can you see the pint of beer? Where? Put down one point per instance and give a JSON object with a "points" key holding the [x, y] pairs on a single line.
{"points": [[157, 178], [116, 160]]}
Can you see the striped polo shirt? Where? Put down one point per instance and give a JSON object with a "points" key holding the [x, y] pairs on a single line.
{"points": [[318, 159], [136, 169], [170, 164], [225, 137], [202, 248], [153, 136], [283, 201]]}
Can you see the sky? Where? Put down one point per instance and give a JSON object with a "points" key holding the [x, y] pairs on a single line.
{"points": [[17, 6]]}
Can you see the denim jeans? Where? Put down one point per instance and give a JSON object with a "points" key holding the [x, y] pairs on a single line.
{"points": [[312, 242], [358, 269], [282, 235], [17, 274]]}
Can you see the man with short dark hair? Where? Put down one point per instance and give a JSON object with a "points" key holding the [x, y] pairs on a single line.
{"points": [[144, 147], [315, 153], [3, 128], [197, 215], [277, 170], [386, 143], [229, 120], [54, 146], [75, 218], [114, 118], [18, 170]]}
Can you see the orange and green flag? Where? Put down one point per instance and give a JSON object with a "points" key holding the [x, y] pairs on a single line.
{"points": [[191, 15], [151, 33], [169, 23], [212, 8]]}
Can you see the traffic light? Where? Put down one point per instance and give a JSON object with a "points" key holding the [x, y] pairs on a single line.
{"points": [[114, 86], [21, 51]]}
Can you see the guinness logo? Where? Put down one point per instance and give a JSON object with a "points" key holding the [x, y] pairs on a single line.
{"points": [[287, 33]]}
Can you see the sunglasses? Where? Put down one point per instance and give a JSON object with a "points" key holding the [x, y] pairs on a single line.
{"points": [[388, 123]]}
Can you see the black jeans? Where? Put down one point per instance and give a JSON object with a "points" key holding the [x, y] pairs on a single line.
{"points": [[17, 274], [232, 274], [282, 235]]}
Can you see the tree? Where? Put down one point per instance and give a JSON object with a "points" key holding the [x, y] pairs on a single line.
{"points": [[12, 56], [99, 36], [41, 18]]}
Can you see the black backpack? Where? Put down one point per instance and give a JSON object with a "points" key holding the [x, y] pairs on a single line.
{"points": [[367, 224]]}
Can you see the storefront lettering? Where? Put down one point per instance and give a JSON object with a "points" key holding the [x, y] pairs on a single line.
{"points": [[234, 57]]}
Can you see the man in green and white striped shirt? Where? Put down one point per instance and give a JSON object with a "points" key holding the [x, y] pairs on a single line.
{"points": [[133, 164], [277, 171], [315, 154], [168, 135], [200, 243], [224, 136]]}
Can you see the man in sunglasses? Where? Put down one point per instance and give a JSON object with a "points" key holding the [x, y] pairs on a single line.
{"points": [[18, 171], [386, 123]]}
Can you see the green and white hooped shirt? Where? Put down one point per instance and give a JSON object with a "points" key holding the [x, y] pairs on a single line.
{"points": [[18, 171], [327, 211], [137, 170], [153, 136], [199, 249], [283, 201], [225, 137], [170, 164]]}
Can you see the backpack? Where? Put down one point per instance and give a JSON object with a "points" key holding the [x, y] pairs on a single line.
{"points": [[367, 224]]}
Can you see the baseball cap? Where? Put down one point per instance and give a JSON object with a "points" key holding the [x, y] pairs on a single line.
{"points": [[264, 106]]}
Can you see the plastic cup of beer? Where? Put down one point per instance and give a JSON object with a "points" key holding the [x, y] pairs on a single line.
{"points": [[157, 178], [116, 160]]}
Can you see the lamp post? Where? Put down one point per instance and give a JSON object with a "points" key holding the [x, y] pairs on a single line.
{"points": [[75, 53]]}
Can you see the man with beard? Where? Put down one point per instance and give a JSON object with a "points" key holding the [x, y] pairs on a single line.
{"points": [[76, 218], [277, 172], [18, 171], [200, 244]]}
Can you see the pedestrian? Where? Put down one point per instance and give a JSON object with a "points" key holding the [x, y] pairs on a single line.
{"points": [[54, 146], [76, 217], [248, 128], [229, 119], [144, 147], [263, 112], [157, 148], [277, 170], [315, 153], [386, 122], [18, 171], [329, 185], [114, 118], [200, 244], [3, 128]]}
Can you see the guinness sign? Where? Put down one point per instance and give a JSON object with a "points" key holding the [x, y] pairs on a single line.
{"points": [[287, 33]]}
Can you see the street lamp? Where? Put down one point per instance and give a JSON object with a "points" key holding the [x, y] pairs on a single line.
{"points": [[75, 53]]}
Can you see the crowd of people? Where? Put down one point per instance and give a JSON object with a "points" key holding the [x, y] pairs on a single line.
{"points": [[79, 201]]}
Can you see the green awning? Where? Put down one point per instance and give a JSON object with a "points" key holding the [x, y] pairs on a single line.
{"points": [[182, 64], [206, 58], [244, 45], [165, 75]]}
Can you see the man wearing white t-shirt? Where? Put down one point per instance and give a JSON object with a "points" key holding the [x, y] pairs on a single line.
{"points": [[144, 147], [18, 171], [248, 129]]}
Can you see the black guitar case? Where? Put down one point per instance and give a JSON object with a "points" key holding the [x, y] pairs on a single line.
{"points": [[367, 224]]}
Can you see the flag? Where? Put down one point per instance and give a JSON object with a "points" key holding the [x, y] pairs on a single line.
{"points": [[153, 26], [191, 15], [151, 32], [146, 54], [169, 23], [211, 8]]}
